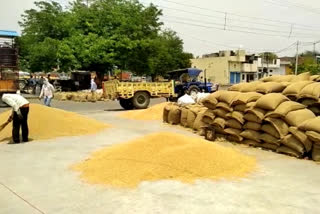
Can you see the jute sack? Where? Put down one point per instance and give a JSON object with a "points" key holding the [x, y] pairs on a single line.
{"points": [[251, 143], [252, 125], [267, 138], [269, 129], [315, 78], [286, 150], [232, 138], [57, 96], [240, 108], [311, 91], [251, 135], [270, 87], [69, 96], [219, 123], [269, 146], [281, 126], [302, 137], [192, 114], [238, 116], [308, 102], [316, 152], [250, 87], [271, 101], [83, 97], [314, 136], [315, 109], [259, 112], [284, 78], [268, 79], [166, 111], [310, 125], [63, 97], [224, 106], [294, 88], [244, 98], [210, 102], [208, 116], [221, 113], [251, 105], [301, 77], [236, 87], [295, 118], [184, 116], [198, 121], [252, 118], [174, 115], [232, 123], [293, 143], [235, 133], [284, 108], [202, 131], [228, 96]]}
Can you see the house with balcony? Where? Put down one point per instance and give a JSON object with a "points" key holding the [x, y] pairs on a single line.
{"points": [[228, 67]]}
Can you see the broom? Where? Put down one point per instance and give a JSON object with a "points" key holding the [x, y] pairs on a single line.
{"points": [[5, 124]]}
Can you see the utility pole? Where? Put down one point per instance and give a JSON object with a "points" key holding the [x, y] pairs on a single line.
{"points": [[297, 58]]}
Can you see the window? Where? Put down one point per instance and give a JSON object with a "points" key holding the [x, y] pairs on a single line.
{"points": [[260, 70], [243, 76], [271, 70]]}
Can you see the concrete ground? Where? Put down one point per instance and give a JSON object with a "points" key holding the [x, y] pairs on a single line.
{"points": [[36, 177]]}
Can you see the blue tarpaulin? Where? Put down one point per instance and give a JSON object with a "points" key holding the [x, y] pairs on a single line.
{"points": [[7, 33]]}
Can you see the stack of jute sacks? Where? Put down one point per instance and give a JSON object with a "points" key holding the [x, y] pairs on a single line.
{"points": [[81, 96], [270, 121]]}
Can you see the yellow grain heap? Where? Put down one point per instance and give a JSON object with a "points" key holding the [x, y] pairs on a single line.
{"points": [[164, 156], [151, 113], [47, 123]]}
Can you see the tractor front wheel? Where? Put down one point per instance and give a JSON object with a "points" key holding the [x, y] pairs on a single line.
{"points": [[193, 90]]}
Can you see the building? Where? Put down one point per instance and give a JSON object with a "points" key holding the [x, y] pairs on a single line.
{"points": [[268, 67], [228, 67]]}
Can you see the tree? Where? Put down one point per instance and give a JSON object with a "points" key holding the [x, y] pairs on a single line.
{"points": [[308, 63], [98, 36], [269, 57]]}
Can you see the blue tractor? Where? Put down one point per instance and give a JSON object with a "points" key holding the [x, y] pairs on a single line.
{"points": [[186, 81]]}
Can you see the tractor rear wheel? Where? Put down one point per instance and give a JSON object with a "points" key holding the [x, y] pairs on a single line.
{"points": [[141, 100], [127, 104], [193, 89]]}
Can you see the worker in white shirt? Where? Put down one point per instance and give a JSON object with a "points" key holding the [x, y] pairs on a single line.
{"points": [[47, 92], [20, 107]]}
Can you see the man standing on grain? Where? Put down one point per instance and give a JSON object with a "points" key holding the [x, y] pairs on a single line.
{"points": [[20, 110]]}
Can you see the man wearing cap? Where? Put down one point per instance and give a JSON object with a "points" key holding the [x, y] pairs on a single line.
{"points": [[20, 110]]}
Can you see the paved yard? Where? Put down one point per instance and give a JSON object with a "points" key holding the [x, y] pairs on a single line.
{"points": [[36, 178]]}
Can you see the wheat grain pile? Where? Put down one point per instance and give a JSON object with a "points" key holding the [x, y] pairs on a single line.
{"points": [[151, 113], [163, 156], [47, 123]]}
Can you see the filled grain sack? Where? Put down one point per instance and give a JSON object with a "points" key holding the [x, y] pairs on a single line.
{"points": [[63, 97], [174, 115], [270, 87], [251, 104], [311, 91], [224, 106], [202, 131], [235, 133], [279, 125], [259, 112], [201, 96], [166, 111], [250, 87], [251, 143], [240, 108], [267, 138], [236, 87], [284, 78], [237, 115], [296, 118], [271, 101], [301, 77], [185, 100], [244, 98], [294, 88], [293, 143], [316, 152], [208, 116], [219, 122], [210, 102], [184, 116], [308, 102], [315, 110], [57, 96], [251, 135], [192, 114], [228, 96], [288, 151], [269, 146], [314, 136], [232, 123], [83, 97], [315, 78], [252, 118], [252, 125], [198, 121], [310, 125], [221, 113], [69, 96], [269, 129], [284, 108], [302, 137]]}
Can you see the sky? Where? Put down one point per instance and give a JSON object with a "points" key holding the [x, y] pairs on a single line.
{"points": [[207, 26]]}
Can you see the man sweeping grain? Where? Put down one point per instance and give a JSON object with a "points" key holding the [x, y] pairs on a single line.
{"points": [[47, 92], [20, 110]]}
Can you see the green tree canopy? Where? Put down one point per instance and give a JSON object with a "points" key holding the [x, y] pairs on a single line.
{"points": [[98, 35]]}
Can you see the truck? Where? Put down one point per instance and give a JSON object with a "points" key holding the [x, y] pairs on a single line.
{"points": [[137, 94]]}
